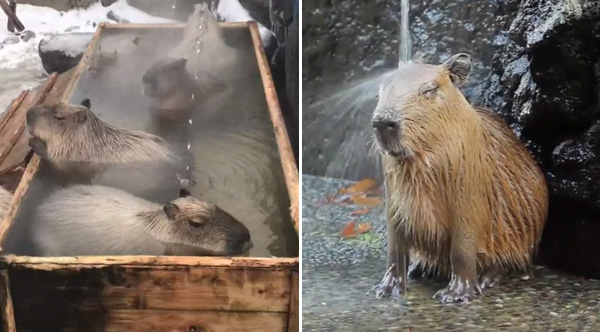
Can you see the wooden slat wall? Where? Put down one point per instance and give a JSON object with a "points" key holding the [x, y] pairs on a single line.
{"points": [[114, 297]]}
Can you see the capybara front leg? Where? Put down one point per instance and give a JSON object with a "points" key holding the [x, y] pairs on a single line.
{"points": [[463, 285], [393, 282]]}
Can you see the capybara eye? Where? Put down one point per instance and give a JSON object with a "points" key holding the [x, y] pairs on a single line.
{"points": [[194, 224], [59, 117]]}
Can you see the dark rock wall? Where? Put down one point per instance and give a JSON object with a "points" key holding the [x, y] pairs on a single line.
{"points": [[537, 65]]}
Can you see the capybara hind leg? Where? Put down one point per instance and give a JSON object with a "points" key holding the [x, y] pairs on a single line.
{"points": [[490, 277], [463, 285], [394, 279]]}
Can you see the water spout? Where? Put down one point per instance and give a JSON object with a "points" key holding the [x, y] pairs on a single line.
{"points": [[405, 41]]}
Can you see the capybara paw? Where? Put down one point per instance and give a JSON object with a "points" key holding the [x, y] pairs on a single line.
{"points": [[390, 286], [458, 290], [490, 279]]}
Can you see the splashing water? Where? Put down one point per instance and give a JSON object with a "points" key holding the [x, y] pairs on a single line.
{"points": [[405, 41], [348, 151]]}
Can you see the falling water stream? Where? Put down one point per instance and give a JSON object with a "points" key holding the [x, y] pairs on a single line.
{"points": [[350, 105]]}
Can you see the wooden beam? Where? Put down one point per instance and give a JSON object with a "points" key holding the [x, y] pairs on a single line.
{"points": [[6, 303], [286, 154], [294, 312], [11, 16], [78, 262]]}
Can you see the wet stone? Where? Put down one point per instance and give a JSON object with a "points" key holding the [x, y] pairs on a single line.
{"points": [[339, 273]]}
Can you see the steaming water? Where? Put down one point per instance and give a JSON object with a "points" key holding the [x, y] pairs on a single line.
{"points": [[344, 109], [228, 149]]}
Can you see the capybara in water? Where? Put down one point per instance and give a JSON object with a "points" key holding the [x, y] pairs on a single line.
{"points": [[465, 199], [174, 91], [69, 136], [98, 220]]}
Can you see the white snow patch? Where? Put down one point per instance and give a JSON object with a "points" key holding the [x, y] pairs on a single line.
{"points": [[232, 11]]}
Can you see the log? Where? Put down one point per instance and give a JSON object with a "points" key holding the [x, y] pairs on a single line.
{"points": [[11, 16]]}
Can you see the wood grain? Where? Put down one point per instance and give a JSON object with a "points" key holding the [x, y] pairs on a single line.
{"points": [[225, 25], [78, 262], [189, 321], [6, 304], [9, 112], [201, 289], [286, 153], [294, 312]]}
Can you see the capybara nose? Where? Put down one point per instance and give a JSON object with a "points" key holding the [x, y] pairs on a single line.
{"points": [[384, 125]]}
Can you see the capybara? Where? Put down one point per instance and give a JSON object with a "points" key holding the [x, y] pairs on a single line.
{"points": [[465, 199], [71, 135], [98, 220], [174, 91]]}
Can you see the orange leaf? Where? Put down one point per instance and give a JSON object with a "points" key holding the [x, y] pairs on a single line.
{"points": [[363, 228], [360, 186], [360, 211], [348, 231], [367, 201]]}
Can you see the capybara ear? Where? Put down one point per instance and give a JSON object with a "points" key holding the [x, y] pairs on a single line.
{"points": [[171, 210], [184, 193], [459, 66], [86, 103], [81, 116]]}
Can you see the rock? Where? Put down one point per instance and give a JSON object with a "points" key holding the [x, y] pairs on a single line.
{"points": [[11, 40], [62, 52], [60, 5], [106, 3], [26, 35], [112, 16]]}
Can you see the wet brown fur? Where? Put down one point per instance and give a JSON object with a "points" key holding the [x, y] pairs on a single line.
{"points": [[81, 137], [5, 198], [463, 174]]}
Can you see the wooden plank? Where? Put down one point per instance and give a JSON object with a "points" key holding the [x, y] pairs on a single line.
{"points": [[294, 312], [168, 288], [225, 25], [189, 321], [283, 142], [6, 304], [30, 171], [56, 263], [11, 15], [83, 63]]}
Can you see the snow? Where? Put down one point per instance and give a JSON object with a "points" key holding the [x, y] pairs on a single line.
{"points": [[20, 65], [232, 11]]}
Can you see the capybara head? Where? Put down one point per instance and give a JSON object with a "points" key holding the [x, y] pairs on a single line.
{"points": [[164, 77], [53, 122], [204, 226], [416, 101]]}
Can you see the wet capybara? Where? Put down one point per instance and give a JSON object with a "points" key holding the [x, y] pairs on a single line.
{"points": [[98, 220], [465, 199], [69, 136]]}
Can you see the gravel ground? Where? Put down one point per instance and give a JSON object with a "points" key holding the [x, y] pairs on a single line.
{"points": [[337, 274]]}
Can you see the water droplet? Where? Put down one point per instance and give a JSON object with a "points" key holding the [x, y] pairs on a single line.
{"points": [[196, 75], [190, 121], [187, 168], [200, 27], [193, 97], [189, 145], [198, 50]]}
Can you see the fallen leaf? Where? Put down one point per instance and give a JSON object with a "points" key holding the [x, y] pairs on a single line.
{"points": [[348, 231], [363, 228], [366, 201], [360, 186], [360, 211]]}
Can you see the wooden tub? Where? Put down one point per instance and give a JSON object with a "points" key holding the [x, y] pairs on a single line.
{"points": [[149, 293]]}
